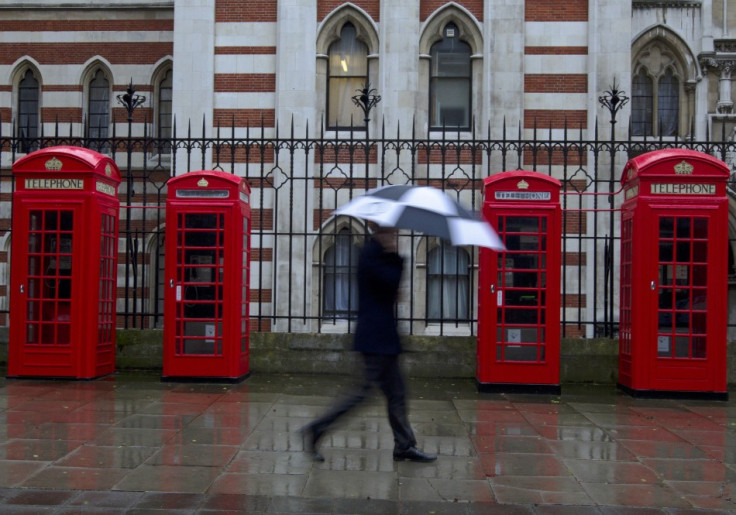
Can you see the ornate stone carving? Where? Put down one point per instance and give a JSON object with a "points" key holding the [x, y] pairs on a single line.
{"points": [[664, 3], [725, 45]]}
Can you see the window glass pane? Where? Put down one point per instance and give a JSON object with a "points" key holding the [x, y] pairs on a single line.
{"points": [[347, 72], [340, 295], [668, 100], [451, 102], [342, 110], [99, 106], [448, 283], [450, 81], [641, 105], [164, 106]]}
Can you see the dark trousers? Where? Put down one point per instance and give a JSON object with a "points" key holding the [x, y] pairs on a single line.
{"points": [[383, 370]]}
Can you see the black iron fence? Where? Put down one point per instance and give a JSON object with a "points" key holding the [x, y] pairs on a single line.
{"points": [[298, 283]]}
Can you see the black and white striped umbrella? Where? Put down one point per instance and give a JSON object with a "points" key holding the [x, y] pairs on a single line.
{"points": [[424, 209]]}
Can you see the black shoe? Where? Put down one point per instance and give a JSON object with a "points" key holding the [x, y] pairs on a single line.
{"points": [[311, 437], [413, 454]]}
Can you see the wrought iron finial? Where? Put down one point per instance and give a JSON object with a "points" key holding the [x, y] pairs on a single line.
{"points": [[366, 99], [614, 100], [130, 100]]}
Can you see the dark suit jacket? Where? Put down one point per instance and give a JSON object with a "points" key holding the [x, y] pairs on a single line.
{"points": [[379, 274]]}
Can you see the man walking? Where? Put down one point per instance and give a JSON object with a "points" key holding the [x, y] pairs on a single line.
{"points": [[377, 340]]}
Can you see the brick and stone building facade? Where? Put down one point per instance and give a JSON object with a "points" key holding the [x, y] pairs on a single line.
{"points": [[245, 64]]}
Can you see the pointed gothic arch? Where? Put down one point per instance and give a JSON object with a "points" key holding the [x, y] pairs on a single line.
{"points": [[469, 28]]}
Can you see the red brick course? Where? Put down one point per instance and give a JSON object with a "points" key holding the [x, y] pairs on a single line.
{"points": [[573, 301], [555, 83], [257, 254], [245, 82], [253, 154], [245, 50], [61, 114], [427, 7], [63, 87], [261, 219], [246, 11], [544, 157], [372, 7], [79, 53], [327, 155], [65, 25], [450, 156], [559, 10], [245, 117], [262, 295], [554, 118], [556, 50]]}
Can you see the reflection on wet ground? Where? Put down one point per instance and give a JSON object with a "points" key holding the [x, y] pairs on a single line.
{"points": [[130, 443]]}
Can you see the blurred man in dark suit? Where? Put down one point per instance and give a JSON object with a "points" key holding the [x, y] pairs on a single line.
{"points": [[377, 339]]}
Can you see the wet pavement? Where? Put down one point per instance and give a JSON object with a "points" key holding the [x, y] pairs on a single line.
{"points": [[130, 443]]}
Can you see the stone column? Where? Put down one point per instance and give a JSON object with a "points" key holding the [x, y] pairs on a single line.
{"points": [[398, 33], [725, 102], [293, 193], [194, 71], [609, 51], [504, 34]]}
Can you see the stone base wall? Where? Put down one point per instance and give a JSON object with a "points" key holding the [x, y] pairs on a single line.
{"points": [[581, 360]]}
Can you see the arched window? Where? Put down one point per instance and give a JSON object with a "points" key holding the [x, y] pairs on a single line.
{"points": [[662, 65], [28, 119], [450, 81], [340, 286], [448, 283], [347, 72], [164, 118], [98, 107]]}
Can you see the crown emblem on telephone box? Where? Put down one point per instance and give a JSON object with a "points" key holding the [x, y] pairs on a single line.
{"points": [[53, 165], [684, 168]]}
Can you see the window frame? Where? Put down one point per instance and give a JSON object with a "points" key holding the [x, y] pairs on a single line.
{"points": [[28, 142], [164, 132], [107, 102], [437, 314], [436, 77], [340, 272]]}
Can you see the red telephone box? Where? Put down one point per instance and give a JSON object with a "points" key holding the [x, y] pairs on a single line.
{"points": [[674, 276], [206, 301], [64, 264], [519, 288]]}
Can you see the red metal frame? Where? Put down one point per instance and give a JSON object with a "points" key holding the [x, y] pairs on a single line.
{"points": [[64, 255], [519, 288], [674, 259], [206, 301]]}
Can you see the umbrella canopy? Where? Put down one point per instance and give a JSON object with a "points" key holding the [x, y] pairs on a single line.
{"points": [[424, 209]]}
